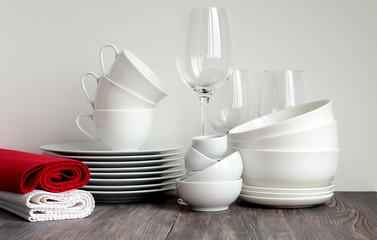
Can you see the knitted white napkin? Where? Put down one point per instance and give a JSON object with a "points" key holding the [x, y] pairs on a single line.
{"points": [[41, 205]]}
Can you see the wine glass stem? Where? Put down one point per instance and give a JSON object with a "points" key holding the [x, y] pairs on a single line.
{"points": [[204, 101]]}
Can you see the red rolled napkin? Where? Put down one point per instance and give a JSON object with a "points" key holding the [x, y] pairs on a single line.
{"points": [[22, 172]]}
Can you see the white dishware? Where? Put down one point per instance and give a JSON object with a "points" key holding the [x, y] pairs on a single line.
{"points": [[129, 187], [132, 163], [289, 168], [196, 161], [287, 202], [320, 136], [139, 169], [131, 73], [329, 187], [209, 196], [213, 146], [119, 129], [284, 121], [205, 55], [135, 181], [227, 169], [111, 95], [111, 175], [284, 195], [116, 158], [232, 104], [281, 89], [94, 148]]}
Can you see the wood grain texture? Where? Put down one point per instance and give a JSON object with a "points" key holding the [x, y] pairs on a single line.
{"points": [[348, 215]]}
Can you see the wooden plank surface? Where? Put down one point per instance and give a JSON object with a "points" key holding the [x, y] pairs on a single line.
{"points": [[348, 215]]}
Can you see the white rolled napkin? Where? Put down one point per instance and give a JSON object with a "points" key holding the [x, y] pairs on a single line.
{"points": [[41, 205]]}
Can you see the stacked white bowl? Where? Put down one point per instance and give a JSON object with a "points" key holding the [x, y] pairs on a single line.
{"points": [[289, 157], [213, 181], [124, 101]]}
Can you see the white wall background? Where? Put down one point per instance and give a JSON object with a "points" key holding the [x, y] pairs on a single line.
{"points": [[46, 45]]}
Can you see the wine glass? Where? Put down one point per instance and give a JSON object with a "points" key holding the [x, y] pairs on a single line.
{"points": [[281, 89], [205, 56], [231, 105]]}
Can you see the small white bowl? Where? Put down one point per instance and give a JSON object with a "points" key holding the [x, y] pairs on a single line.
{"points": [[196, 161], [289, 168], [209, 196], [285, 121], [321, 136], [227, 169], [213, 146]]}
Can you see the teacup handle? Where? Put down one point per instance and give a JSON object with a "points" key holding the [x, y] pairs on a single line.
{"points": [[101, 55], [84, 88], [82, 129]]}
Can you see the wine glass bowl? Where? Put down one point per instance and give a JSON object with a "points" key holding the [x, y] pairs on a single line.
{"points": [[205, 55], [230, 105]]}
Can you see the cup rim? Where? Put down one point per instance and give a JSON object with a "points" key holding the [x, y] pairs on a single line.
{"points": [[125, 89], [123, 110], [140, 66]]}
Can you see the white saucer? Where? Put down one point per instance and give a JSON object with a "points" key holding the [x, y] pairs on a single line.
{"points": [[112, 175], [96, 148], [139, 169], [286, 202], [135, 181], [141, 163], [128, 187], [288, 190]]}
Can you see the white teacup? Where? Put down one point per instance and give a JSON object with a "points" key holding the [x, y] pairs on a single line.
{"points": [[131, 73], [110, 95], [119, 129], [213, 146]]}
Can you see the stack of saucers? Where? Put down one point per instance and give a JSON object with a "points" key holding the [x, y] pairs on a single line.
{"points": [[125, 175], [213, 180], [289, 157]]}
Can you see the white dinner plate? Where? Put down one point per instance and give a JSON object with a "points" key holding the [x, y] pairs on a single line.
{"points": [[141, 163], [96, 148], [286, 202], [129, 196], [135, 181], [288, 190], [118, 158], [133, 192], [108, 175], [140, 169], [128, 187], [285, 195]]}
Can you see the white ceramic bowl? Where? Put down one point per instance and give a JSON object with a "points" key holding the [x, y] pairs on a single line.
{"points": [[209, 196], [227, 169], [196, 161], [321, 136], [213, 146], [288, 168], [327, 188], [284, 121]]}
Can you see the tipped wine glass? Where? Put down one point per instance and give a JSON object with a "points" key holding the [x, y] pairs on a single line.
{"points": [[205, 55], [232, 104]]}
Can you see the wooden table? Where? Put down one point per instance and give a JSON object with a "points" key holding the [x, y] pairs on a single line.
{"points": [[348, 215]]}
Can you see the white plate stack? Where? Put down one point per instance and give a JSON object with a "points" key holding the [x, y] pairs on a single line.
{"points": [[289, 157], [125, 176]]}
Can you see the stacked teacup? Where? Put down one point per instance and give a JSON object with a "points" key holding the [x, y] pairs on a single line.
{"points": [[213, 180], [290, 156], [124, 101]]}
